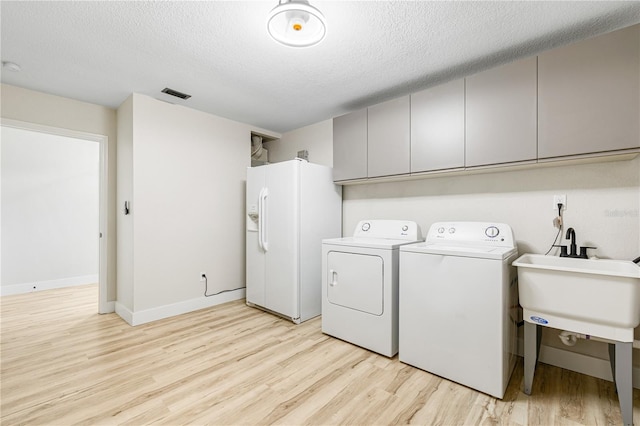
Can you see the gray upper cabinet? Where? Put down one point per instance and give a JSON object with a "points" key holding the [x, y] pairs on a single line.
{"points": [[575, 100], [589, 95], [389, 138], [437, 127], [350, 146], [501, 109]]}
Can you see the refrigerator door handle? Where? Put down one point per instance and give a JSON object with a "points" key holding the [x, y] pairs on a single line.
{"points": [[334, 277], [260, 219], [262, 222]]}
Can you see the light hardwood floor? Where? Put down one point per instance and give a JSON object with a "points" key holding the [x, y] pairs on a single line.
{"points": [[64, 364]]}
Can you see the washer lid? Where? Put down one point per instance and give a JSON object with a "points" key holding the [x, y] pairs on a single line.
{"points": [[376, 243], [482, 252]]}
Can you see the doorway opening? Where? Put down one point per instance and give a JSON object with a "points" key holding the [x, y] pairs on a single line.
{"points": [[37, 217]]}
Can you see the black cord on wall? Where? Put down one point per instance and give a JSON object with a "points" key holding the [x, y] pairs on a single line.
{"points": [[206, 288], [561, 223]]}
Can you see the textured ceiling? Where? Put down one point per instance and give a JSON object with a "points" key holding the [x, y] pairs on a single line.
{"points": [[220, 52]]}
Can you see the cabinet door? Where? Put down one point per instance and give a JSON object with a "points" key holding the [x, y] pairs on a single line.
{"points": [[589, 95], [389, 138], [350, 146], [355, 281], [501, 114], [437, 127]]}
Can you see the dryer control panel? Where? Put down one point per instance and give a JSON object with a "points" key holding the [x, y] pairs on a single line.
{"points": [[471, 233], [392, 229]]}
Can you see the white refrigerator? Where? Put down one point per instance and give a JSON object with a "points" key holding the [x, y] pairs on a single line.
{"points": [[291, 207]]}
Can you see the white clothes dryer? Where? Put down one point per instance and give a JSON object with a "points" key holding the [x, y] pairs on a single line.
{"points": [[459, 304], [360, 284]]}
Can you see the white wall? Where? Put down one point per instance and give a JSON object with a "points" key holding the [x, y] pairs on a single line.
{"points": [[49, 110], [125, 193], [316, 138], [187, 176], [50, 198], [603, 206]]}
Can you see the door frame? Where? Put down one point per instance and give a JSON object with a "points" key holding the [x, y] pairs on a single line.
{"points": [[104, 305]]}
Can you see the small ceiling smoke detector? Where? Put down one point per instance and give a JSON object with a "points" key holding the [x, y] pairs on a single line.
{"points": [[296, 23], [175, 93], [11, 66]]}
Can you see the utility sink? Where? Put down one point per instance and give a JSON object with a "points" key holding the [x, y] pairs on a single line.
{"points": [[597, 297]]}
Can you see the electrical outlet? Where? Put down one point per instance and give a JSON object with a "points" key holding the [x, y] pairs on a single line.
{"points": [[203, 276], [559, 199]]}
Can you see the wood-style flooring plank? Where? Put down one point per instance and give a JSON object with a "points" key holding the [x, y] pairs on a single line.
{"points": [[63, 364]]}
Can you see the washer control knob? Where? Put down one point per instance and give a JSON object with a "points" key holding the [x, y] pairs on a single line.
{"points": [[452, 230], [405, 227], [440, 230], [366, 226], [492, 231]]}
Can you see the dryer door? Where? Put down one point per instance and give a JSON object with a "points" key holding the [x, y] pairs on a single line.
{"points": [[355, 281]]}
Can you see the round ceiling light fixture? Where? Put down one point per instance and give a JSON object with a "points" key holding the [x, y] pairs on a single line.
{"points": [[296, 23]]}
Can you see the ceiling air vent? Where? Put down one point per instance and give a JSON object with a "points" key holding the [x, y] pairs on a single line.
{"points": [[175, 93]]}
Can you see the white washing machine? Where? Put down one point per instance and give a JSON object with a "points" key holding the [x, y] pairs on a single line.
{"points": [[459, 304], [360, 284]]}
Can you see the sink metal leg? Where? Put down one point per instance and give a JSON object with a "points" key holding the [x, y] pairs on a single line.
{"points": [[612, 360], [623, 379], [532, 337]]}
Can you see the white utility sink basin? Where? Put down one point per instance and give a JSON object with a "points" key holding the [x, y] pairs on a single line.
{"points": [[597, 297]]}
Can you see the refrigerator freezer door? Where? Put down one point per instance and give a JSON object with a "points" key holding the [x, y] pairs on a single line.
{"points": [[255, 267]]}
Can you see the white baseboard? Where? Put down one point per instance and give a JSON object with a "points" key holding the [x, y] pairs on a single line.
{"points": [[584, 364], [166, 311], [7, 290], [124, 313]]}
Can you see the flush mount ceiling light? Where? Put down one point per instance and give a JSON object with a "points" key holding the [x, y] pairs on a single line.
{"points": [[296, 23]]}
